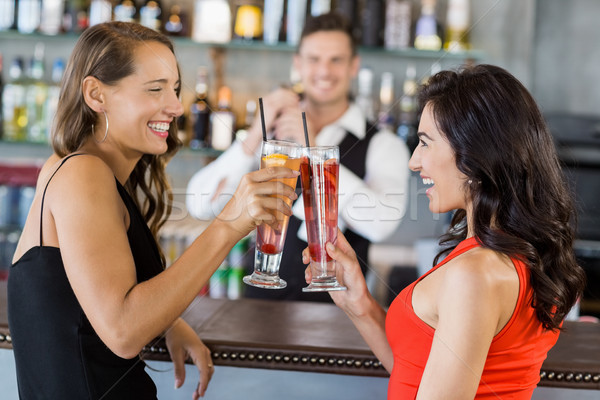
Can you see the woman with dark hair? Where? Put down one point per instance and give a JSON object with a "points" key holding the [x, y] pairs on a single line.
{"points": [[480, 323], [88, 289]]}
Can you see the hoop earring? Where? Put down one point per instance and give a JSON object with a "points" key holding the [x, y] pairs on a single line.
{"points": [[105, 133]]}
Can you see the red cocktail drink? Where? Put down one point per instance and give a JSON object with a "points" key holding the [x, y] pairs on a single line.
{"points": [[319, 173]]}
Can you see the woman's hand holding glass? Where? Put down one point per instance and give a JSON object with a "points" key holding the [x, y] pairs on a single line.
{"points": [[351, 301], [254, 202]]}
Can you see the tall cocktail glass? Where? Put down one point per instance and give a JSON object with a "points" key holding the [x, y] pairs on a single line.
{"points": [[319, 176], [269, 241]]}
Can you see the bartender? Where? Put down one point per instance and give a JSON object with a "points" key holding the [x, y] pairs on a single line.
{"points": [[373, 172]]}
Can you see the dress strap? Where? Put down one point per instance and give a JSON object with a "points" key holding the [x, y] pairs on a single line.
{"points": [[46, 188]]}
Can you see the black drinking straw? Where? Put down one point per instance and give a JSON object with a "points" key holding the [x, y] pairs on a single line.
{"points": [[262, 119], [305, 129]]}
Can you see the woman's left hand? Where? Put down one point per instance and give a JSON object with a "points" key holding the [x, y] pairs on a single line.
{"points": [[182, 342]]}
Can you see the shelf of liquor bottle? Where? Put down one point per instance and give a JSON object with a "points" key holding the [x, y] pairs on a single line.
{"points": [[183, 42], [37, 150], [24, 152]]}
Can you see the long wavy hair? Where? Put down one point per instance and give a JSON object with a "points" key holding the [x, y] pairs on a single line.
{"points": [[106, 52], [522, 206]]}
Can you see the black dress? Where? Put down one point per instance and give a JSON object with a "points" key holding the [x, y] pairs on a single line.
{"points": [[58, 354]]}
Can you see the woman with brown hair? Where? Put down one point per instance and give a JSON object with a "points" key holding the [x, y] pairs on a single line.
{"points": [[480, 323], [88, 289]]}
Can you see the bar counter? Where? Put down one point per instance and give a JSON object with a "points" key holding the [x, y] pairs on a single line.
{"points": [[316, 337]]}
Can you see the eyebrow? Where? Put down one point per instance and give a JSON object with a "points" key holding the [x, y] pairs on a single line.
{"points": [[420, 134], [160, 81]]}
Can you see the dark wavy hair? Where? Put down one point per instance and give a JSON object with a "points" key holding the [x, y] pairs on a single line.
{"points": [[106, 52], [522, 206]]}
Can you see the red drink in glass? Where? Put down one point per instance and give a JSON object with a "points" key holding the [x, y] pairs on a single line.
{"points": [[319, 176]]}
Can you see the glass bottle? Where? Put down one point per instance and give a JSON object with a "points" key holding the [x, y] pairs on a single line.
{"points": [[200, 111], [222, 121], [364, 96], [35, 98], [385, 121], [151, 14], [426, 30], [125, 11], [13, 103], [7, 14], [457, 26], [100, 11], [28, 15]]}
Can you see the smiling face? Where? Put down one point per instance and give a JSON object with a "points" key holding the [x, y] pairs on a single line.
{"points": [[141, 106], [327, 66], [434, 160]]}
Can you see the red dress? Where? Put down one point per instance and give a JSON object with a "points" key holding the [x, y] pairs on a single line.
{"points": [[515, 357]]}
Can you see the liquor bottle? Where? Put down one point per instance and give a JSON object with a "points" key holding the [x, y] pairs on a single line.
{"points": [[13, 103], [151, 14], [35, 98], [385, 120], [351, 10], [176, 23], [76, 17], [364, 97], [407, 121], [212, 21], [222, 121], [457, 26], [7, 14], [372, 23], [200, 111], [248, 22], [398, 19], [125, 11], [51, 17], [272, 20], [318, 7], [427, 29], [58, 69], [100, 11], [242, 133], [296, 16], [28, 15]]}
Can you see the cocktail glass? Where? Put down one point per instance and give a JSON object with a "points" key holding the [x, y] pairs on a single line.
{"points": [[269, 241], [319, 176]]}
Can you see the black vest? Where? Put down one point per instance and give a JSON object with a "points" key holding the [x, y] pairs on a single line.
{"points": [[353, 155]]}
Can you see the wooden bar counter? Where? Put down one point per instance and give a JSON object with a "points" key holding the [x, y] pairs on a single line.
{"points": [[317, 337]]}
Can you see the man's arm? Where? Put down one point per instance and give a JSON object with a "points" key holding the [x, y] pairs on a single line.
{"points": [[374, 206]]}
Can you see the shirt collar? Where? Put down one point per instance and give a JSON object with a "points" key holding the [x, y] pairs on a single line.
{"points": [[352, 121]]}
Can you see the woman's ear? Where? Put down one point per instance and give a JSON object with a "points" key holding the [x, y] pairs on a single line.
{"points": [[92, 93]]}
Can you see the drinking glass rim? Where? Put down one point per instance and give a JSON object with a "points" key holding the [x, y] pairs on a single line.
{"points": [[328, 147], [280, 142]]}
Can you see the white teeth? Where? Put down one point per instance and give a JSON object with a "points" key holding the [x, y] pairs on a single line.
{"points": [[159, 126], [427, 181]]}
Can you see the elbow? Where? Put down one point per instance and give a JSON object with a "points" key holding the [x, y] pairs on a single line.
{"points": [[124, 344]]}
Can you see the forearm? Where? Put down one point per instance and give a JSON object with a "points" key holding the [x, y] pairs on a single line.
{"points": [[371, 326], [151, 307]]}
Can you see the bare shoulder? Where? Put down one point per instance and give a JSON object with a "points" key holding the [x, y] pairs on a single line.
{"points": [[83, 171], [83, 183], [481, 272]]}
